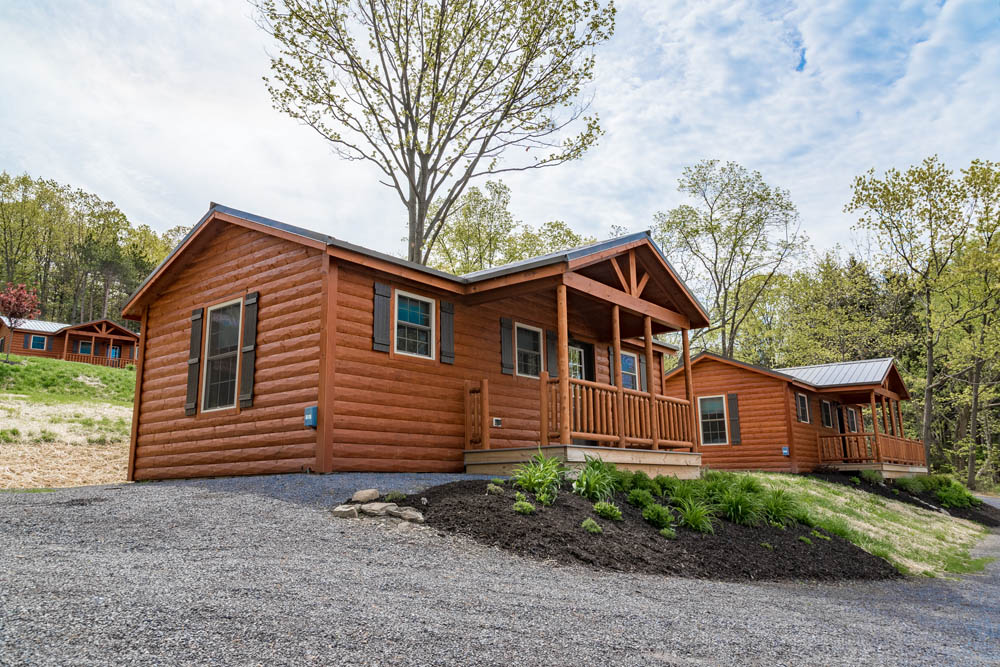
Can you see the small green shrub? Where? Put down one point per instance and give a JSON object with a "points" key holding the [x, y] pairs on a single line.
{"points": [[524, 507], [641, 480], [608, 510], [541, 475], [816, 533], [912, 485], [494, 489], [804, 539], [520, 497], [666, 484], [895, 492], [696, 515], [668, 532], [767, 545], [591, 526], [657, 515], [779, 507], [740, 506], [394, 497], [546, 497], [871, 476], [640, 497], [855, 480], [499, 481], [955, 495], [596, 480]]}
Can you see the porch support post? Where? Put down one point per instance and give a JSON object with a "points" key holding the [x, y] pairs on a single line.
{"points": [[93, 345], [899, 420], [65, 345], [647, 334], [689, 389], [616, 363], [871, 400], [889, 427], [543, 409], [562, 352]]}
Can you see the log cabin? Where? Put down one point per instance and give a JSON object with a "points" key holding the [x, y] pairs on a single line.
{"points": [[843, 416], [101, 342], [268, 348]]}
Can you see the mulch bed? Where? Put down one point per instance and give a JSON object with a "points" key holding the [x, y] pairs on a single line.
{"points": [[732, 553], [985, 514]]}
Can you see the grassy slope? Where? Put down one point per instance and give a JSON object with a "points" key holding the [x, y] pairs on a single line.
{"points": [[915, 540], [52, 381]]}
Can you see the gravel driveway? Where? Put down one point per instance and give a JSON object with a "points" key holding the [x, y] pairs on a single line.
{"points": [[255, 571]]}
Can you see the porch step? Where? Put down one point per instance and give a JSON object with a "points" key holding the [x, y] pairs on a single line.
{"points": [[683, 465]]}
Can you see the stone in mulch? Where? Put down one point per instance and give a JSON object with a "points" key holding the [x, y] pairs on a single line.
{"points": [[732, 553]]}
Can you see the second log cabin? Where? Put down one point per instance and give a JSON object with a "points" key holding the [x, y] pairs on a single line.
{"points": [[269, 348]]}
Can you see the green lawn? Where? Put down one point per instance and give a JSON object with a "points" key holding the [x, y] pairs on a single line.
{"points": [[52, 381]]}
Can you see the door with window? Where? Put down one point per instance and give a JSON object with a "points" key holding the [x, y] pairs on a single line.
{"points": [[115, 352]]}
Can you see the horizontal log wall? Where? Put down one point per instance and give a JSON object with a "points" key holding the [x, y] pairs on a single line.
{"points": [[763, 429], [15, 343], [807, 434], [270, 436]]}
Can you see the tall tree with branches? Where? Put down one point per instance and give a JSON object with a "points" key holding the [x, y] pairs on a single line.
{"points": [[731, 243], [437, 92]]}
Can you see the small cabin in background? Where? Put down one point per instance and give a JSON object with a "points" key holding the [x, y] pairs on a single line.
{"points": [[842, 415], [101, 342]]}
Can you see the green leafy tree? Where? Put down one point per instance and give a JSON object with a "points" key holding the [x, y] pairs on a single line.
{"points": [[437, 92], [730, 243]]}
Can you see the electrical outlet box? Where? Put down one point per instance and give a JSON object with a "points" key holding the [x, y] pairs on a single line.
{"points": [[497, 422], [784, 451], [312, 415]]}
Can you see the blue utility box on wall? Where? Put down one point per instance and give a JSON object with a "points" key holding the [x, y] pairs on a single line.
{"points": [[312, 414], [784, 450]]}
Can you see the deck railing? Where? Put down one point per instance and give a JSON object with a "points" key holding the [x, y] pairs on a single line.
{"points": [[116, 362], [870, 448], [625, 418]]}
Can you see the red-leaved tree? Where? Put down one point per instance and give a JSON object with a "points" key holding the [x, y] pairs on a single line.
{"points": [[17, 304]]}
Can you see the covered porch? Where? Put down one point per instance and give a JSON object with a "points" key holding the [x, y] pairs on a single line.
{"points": [[631, 296], [101, 343]]}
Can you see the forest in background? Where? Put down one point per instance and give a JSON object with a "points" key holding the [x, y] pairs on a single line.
{"points": [[79, 252]]}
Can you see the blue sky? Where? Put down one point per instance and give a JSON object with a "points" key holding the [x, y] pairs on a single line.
{"points": [[162, 109]]}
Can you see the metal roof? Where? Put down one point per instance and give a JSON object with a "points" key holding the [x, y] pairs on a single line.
{"points": [[841, 373], [469, 278], [41, 326]]}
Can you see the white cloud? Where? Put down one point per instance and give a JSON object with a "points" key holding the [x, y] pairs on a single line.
{"points": [[161, 108]]}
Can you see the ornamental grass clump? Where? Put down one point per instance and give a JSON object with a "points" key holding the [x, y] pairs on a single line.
{"points": [[591, 526], [608, 510], [542, 475], [779, 507], [657, 515], [741, 506], [596, 480], [640, 498], [696, 515]]}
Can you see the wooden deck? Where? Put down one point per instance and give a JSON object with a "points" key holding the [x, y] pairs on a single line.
{"points": [[888, 470], [683, 465]]}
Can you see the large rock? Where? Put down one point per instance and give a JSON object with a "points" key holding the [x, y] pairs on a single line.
{"points": [[407, 514], [378, 509], [346, 511], [365, 496]]}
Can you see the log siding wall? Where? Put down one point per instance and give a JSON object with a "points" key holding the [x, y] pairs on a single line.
{"points": [[270, 436]]}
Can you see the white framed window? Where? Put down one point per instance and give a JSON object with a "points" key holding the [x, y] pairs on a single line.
{"points": [[528, 346], [38, 342], [826, 412], [86, 347], [713, 418], [630, 370], [577, 362], [802, 407], [852, 420], [220, 368], [415, 321]]}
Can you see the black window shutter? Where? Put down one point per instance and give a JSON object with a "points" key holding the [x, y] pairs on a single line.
{"points": [[76, 347], [48, 343], [248, 351], [611, 365], [506, 346], [447, 332], [809, 410], [734, 419], [588, 371], [27, 341], [551, 356], [380, 325], [642, 372], [194, 363]]}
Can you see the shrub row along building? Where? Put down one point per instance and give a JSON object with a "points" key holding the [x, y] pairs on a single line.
{"points": [[269, 348]]}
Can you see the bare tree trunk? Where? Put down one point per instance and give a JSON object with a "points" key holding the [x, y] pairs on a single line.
{"points": [[925, 430], [974, 422], [107, 291]]}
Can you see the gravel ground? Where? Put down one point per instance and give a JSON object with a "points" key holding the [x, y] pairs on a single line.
{"points": [[255, 571]]}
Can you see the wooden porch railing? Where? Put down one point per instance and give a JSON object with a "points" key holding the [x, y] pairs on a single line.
{"points": [[100, 361], [870, 448], [599, 412], [477, 414]]}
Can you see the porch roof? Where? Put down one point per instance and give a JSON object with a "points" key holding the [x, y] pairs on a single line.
{"points": [[42, 326]]}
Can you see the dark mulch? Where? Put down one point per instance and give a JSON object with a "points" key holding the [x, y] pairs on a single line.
{"points": [[732, 553], [985, 514]]}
